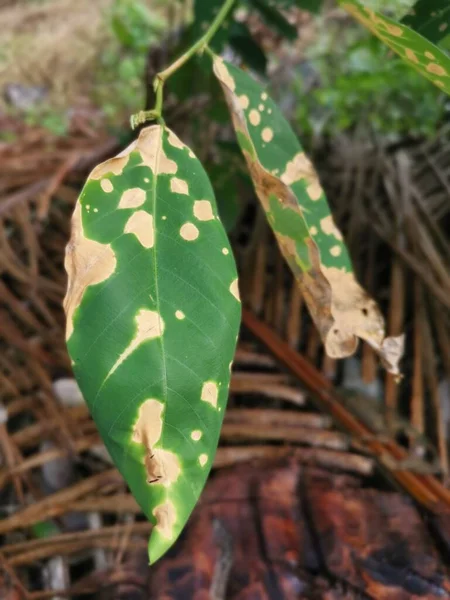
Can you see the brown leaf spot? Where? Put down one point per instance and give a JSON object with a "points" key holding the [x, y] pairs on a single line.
{"points": [[162, 467], [106, 185], [210, 393], [196, 435], [87, 262], [244, 101], [267, 134], [411, 55], [203, 210], [189, 232], [149, 326], [132, 198], [329, 228], [203, 459], [223, 74], [148, 427], [234, 289], [254, 117], [174, 140], [436, 69], [179, 186], [149, 144], [141, 224], [300, 167]]}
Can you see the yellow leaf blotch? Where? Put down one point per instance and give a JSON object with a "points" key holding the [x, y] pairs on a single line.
{"points": [[234, 289], [189, 232], [166, 517], [210, 393], [329, 228], [244, 101], [149, 326], [254, 117], [203, 459], [411, 55], [132, 198], [429, 55], [87, 262], [141, 224], [196, 435], [436, 69], [267, 134], [203, 210], [394, 30], [179, 186], [106, 185]]}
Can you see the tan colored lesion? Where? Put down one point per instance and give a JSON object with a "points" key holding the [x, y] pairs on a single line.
{"points": [[301, 168], [166, 517], [150, 325], [203, 210], [162, 466], [141, 225], [87, 262], [223, 74], [132, 198], [150, 147]]}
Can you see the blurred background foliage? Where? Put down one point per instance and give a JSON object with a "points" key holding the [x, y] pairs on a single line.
{"points": [[96, 56]]}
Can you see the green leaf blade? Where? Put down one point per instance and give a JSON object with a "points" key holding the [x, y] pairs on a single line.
{"points": [[430, 18], [422, 55], [297, 210], [152, 320]]}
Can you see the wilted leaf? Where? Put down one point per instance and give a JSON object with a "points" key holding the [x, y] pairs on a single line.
{"points": [[417, 51], [430, 18], [153, 314], [291, 195]]}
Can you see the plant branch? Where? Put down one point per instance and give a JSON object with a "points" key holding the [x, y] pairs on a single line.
{"points": [[197, 48]]}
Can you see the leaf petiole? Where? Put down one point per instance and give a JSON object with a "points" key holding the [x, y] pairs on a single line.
{"points": [[158, 83]]}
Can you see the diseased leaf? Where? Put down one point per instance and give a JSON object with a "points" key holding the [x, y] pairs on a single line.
{"points": [[430, 18], [297, 210], [417, 51], [153, 313]]}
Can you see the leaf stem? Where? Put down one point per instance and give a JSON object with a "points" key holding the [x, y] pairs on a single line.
{"points": [[197, 48]]}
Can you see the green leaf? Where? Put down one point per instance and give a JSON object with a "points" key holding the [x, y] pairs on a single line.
{"points": [[297, 210], [242, 42], [417, 51], [313, 6], [430, 18], [153, 313], [274, 19], [204, 13]]}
